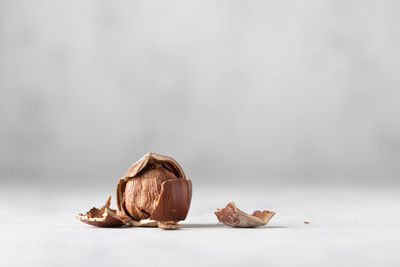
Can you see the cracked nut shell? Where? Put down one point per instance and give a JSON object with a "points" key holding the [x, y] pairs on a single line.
{"points": [[155, 188], [103, 217]]}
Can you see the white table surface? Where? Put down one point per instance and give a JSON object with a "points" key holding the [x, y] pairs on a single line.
{"points": [[350, 226]]}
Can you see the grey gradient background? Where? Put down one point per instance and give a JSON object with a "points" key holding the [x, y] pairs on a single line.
{"points": [[254, 91], [290, 106]]}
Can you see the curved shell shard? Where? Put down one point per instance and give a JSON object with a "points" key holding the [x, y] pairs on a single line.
{"points": [[232, 216]]}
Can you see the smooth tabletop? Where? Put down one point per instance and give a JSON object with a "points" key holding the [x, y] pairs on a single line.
{"points": [[351, 226]]}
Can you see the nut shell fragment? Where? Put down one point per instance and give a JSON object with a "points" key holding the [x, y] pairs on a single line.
{"points": [[143, 223], [104, 217], [170, 225], [174, 201], [232, 216]]}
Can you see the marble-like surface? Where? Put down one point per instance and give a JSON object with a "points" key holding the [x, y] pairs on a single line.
{"points": [[348, 227]]}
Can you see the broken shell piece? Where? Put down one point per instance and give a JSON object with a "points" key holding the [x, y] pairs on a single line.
{"points": [[174, 201], [104, 217], [170, 225], [232, 216], [143, 223]]}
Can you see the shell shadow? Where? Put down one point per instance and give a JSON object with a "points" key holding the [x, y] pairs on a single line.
{"points": [[220, 225], [202, 225]]}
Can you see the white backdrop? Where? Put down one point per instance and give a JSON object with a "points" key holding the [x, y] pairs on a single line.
{"points": [[304, 91]]}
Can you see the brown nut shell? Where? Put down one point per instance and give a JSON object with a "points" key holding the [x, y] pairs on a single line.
{"points": [[174, 201], [232, 216], [103, 217]]}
